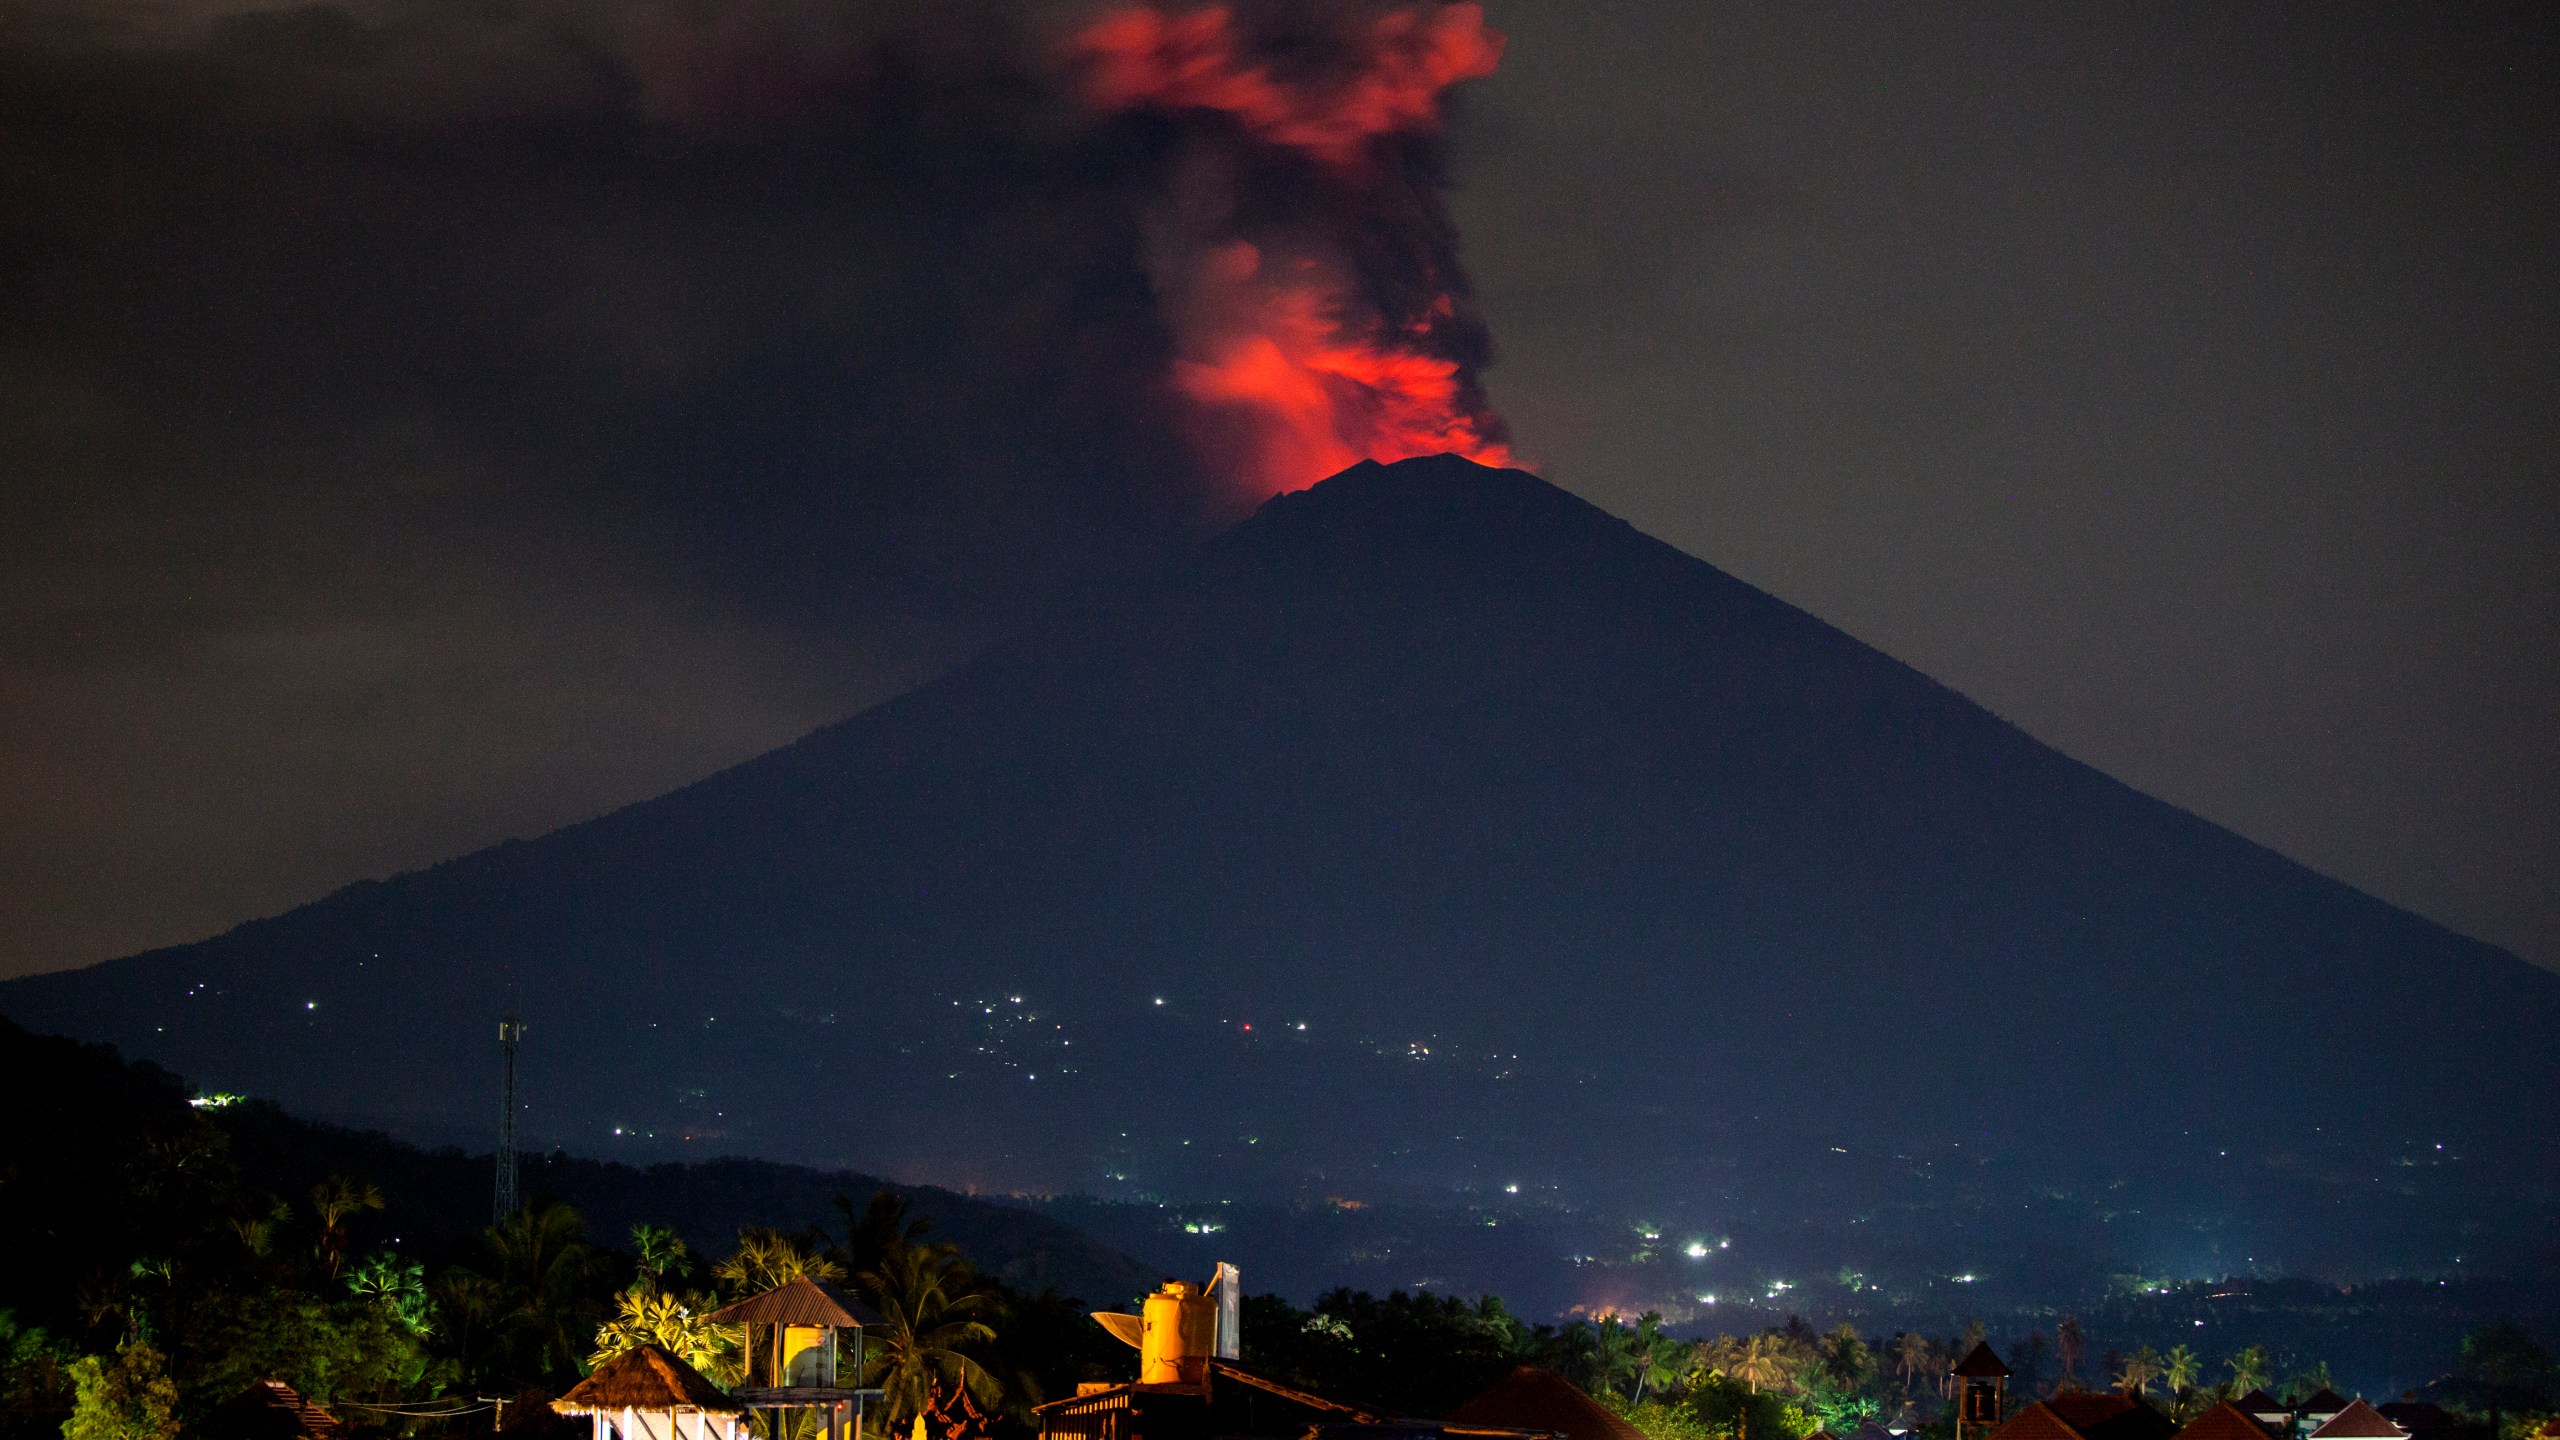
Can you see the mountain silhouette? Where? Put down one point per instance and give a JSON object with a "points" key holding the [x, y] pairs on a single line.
{"points": [[1430, 834]]}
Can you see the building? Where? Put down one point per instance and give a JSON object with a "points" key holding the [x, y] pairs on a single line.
{"points": [[2318, 1408], [2358, 1421], [647, 1394], [1188, 1388], [2078, 1415], [2422, 1419], [2268, 1411], [1982, 1391], [1530, 1399], [803, 1352], [2228, 1420]]}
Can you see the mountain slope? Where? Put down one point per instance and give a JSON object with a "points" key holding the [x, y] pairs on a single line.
{"points": [[1584, 866]]}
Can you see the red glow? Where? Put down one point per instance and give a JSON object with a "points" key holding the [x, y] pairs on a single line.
{"points": [[1146, 59], [1291, 374]]}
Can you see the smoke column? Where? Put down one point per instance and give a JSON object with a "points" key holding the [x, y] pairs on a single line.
{"points": [[1305, 263]]}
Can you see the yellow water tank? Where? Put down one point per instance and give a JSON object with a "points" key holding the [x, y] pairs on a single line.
{"points": [[1179, 1335]]}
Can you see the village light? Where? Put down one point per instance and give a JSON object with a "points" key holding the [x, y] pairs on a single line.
{"points": [[1697, 1250]]}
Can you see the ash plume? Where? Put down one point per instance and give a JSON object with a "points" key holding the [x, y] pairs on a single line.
{"points": [[369, 356]]}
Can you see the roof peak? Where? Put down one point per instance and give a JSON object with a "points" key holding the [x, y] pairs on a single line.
{"points": [[1981, 1362]]}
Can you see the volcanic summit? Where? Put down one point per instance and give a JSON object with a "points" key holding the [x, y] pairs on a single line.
{"points": [[1427, 833]]}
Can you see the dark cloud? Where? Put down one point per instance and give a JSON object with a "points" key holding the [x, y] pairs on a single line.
{"points": [[426, 421]]}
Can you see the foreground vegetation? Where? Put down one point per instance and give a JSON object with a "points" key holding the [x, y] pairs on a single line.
{"points": [[166, 1258]]}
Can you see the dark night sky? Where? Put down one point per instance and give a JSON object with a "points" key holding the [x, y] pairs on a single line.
{"points": [[424, 424]]}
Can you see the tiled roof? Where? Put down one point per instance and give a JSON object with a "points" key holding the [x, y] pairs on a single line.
{"points": [[2359, 1421], [2123, 1417], [2224, 1421], [2037, 1422], [1530, 1398]]}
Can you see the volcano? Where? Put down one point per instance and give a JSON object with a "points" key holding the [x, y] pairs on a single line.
{"points": [[1433, 834]]}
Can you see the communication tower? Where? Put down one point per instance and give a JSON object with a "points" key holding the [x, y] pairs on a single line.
{"points": [[510, 1030]]}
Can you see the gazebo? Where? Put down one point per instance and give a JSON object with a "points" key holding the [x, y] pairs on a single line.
{"points": [[644, 1393], [803, 1351]]}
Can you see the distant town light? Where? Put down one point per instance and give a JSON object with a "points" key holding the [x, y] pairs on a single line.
{"points": [[1708, 1298], [1697, 1250], [1159, 999], [1510, 1189]]}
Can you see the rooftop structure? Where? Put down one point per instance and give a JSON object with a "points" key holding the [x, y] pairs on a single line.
{"points": [[2421, 1418], [2358, 1421], [1530, 1398], [1189, 1387], [2266, 1409], [803, 1352], [645, 1393], [2230, 1421], [1982, 1392], [2082, 1416]]}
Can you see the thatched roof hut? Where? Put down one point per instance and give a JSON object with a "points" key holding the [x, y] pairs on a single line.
{"points": [[644, 1393]]}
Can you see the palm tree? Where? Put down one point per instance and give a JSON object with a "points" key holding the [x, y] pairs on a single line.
{"points": [[766, 1259], [258, 1232], [930, 1308], [2069, 1340], [2249, 1369], [1911, 1354], [661, 1253], [399, 1287], [1760, 1360], [2178, 1371], [468, 1311], [1613, 1354], [878, 1228], [1846, 1358], [1573, 1354], [2140, 1369], [1657, 1355], [675, 1326], [334, 1199], [542, 1262]]}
